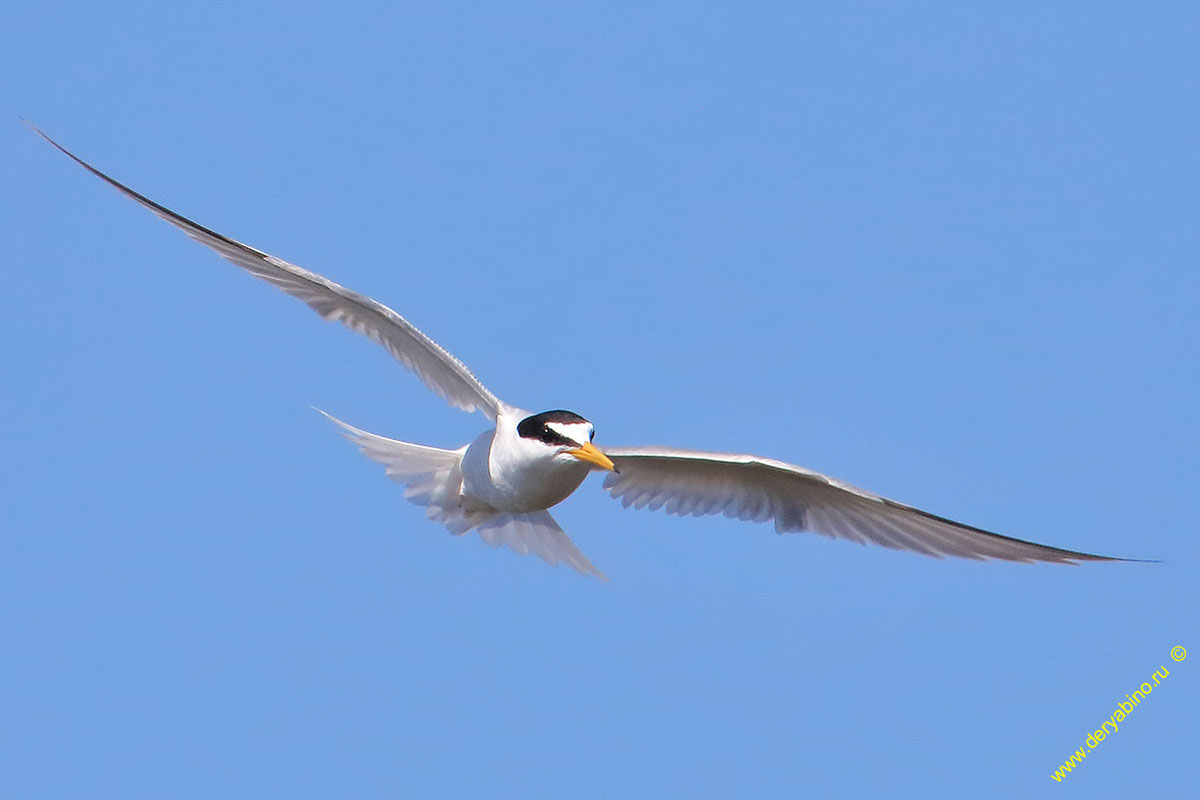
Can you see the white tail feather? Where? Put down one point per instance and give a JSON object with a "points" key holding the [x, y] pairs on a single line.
{"points": [[536, 532]]}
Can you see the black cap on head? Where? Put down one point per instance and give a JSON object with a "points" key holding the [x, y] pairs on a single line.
{"points": [[535, 427]]}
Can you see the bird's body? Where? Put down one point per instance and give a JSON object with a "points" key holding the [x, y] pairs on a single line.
{"points": [[506, 472], [503, 482]]}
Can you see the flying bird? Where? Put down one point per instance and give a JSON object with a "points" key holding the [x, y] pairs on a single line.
{"points": [[503, 483]]}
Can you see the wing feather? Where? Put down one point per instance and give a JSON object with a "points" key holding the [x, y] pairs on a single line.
{"points": [[797, 499], [440, 371]]}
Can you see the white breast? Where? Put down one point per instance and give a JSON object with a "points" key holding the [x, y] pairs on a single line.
{"points": [[505, 472]]}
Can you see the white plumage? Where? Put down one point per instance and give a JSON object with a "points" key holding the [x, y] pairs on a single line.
{"points": [[691, 483], [501, 484]]}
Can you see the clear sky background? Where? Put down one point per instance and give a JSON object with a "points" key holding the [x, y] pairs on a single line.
{"points": [[945, 252]]}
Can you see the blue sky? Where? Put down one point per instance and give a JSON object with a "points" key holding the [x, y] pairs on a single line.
{"points": [[941, 251]]}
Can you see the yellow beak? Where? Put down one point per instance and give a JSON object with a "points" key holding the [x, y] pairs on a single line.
{"points": [[590, 454]]}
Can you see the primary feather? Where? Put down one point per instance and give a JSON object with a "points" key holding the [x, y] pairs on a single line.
{"points": [[441, 372], [693, 483]]}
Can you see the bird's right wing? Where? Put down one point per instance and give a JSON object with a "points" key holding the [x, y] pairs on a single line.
{"points": [[691, 483], [441, 372]]}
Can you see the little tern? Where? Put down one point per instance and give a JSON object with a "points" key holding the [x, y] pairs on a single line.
{"points": [[503, 483]]}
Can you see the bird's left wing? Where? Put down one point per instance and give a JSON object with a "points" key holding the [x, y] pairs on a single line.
{"points": [[441, 372], [691, 483]]}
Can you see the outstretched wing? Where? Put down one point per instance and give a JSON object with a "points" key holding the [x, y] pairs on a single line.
{"points": [[687, 482], [441, 372]]}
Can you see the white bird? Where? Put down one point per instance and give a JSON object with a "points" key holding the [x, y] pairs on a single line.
{"points": [[502, 484]]}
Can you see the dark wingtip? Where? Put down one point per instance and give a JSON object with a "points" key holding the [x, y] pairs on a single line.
{"points": [[1074, 559], [65, 151], [37, 130]]}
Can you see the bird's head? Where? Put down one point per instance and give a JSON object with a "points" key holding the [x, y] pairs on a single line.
{"points": [[567, 434]]}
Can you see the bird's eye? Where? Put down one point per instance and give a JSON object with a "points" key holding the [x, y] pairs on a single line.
{"points": [[591, 436]]}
